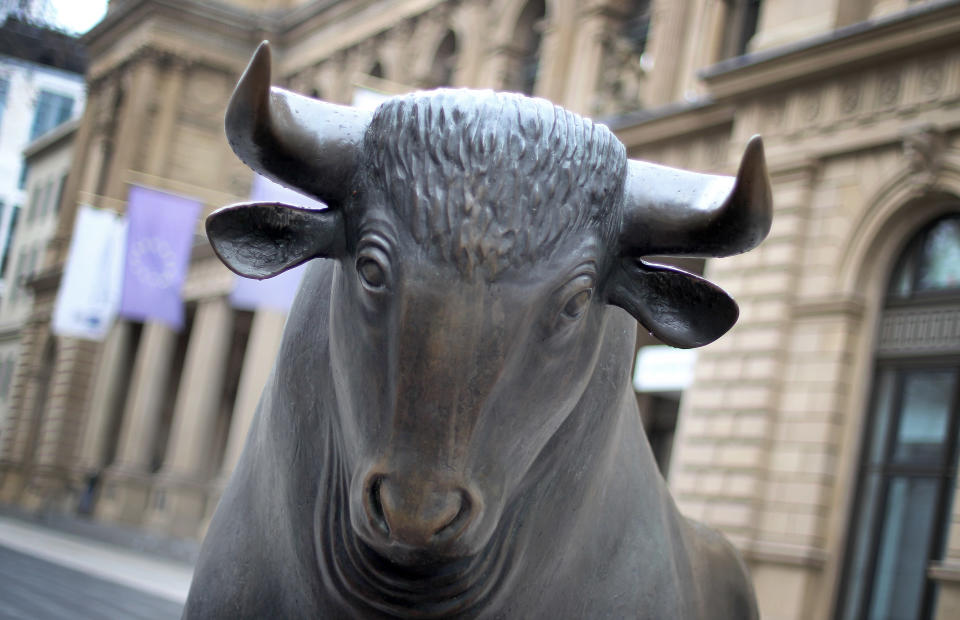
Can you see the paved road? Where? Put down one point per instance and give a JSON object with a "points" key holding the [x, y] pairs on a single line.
{"points": [[36, 589], [49, 575]]}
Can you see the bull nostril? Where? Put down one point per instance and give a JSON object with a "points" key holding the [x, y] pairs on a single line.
{"points": [[459, 521], [374, 505]]}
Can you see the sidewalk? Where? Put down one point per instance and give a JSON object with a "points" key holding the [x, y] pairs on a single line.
{"points": [[164, 578]]}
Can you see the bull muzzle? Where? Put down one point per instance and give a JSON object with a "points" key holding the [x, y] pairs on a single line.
{"points": [[414, 512]]}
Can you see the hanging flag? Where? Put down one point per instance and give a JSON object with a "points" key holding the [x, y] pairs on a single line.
{"points": [[159, 240], [278, 292], [89, 294]]}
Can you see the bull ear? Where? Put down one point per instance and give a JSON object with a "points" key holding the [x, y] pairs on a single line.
{"points": [[679, 308], [262, 239]]}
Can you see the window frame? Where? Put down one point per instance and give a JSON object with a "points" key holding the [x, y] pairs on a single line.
{"points": [[887, 469]]}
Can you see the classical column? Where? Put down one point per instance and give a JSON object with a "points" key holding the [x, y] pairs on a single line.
{"points": [[585, 61], [201, 387], [181, 493], [670, 22], [127, 481], [151, 374], [265, 335], [105, 402]]}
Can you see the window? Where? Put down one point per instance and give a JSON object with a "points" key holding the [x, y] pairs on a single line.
{"points": [[6, 252], [6, 375], [4, 90], [24, 170], [636, 28], [525, 65], [909, 460], [52, 110], [741, 24], [444, 62], [56, 201], [49, 195], [37, 196], [13, 285]]}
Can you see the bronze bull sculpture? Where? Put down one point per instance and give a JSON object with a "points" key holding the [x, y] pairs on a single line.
{"points": [[450, 429]]}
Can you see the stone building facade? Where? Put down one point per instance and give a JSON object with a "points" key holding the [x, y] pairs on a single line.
{"points": [[820, 434], [47, 160]]}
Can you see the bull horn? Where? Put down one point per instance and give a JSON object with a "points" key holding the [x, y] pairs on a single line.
{"points": [[297, 141], [671, 212]]}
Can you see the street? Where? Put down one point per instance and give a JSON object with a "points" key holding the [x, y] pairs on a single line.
{"points": [[46, 575]]}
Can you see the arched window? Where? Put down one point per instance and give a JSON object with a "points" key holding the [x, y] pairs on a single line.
{"points": [[527, 36], [444, 62], [909, 455]]}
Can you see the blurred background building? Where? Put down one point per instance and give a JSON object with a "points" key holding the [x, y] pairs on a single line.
{"points": [[41, 88], [820, 435]]}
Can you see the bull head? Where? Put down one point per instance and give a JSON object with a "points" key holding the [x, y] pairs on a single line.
{"points": [[314, 146], [433, 369]]}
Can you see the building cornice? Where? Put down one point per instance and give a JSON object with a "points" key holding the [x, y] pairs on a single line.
{"points": [[918, 29], [324, 28], [670, 121], [52, 139], [151, 26]]}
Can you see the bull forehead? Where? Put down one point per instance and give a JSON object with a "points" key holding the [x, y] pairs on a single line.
{"points": [[426, 268], [492, 180]]}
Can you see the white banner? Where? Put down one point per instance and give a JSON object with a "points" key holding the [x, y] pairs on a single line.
{"points": [[663, 369], [89, 294]]}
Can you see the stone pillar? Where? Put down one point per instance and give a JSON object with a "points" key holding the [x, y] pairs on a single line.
{"points": [[585, 61], [180, 495], [127, 482], [104, 400], [265, 335], [670, 23], [18, 438]]}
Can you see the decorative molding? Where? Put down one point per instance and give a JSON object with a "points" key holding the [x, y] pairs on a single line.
{"points": [[803, 556], [945, 570], [923, 146], [922, 28], [847, 307], [911, 331]]}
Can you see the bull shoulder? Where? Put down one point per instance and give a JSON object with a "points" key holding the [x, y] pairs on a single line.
{"points": [[721, 577]]}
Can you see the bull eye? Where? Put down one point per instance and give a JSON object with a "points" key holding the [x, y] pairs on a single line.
{"points": [[577, 305], [371, 271]]}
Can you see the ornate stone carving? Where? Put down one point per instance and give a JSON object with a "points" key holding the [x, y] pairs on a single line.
{"points": [[621, 77], [923, 147], [888, 90]]}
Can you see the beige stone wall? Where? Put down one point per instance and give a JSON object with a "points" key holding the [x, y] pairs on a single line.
{"points": [[770, 435]]}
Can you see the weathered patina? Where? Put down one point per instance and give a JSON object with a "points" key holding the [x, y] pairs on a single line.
{"points": [[450, 428]]}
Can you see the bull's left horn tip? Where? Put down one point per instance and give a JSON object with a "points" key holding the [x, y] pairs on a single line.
{"points": [[753, 184]]}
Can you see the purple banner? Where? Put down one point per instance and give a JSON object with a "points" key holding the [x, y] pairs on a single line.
{"points": [[159, 240]]}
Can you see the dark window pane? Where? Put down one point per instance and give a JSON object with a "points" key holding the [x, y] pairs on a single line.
{"points": [[924, 417], [882, 409], [4, 89], [860, 552], [51, 110], [900, 573]]}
